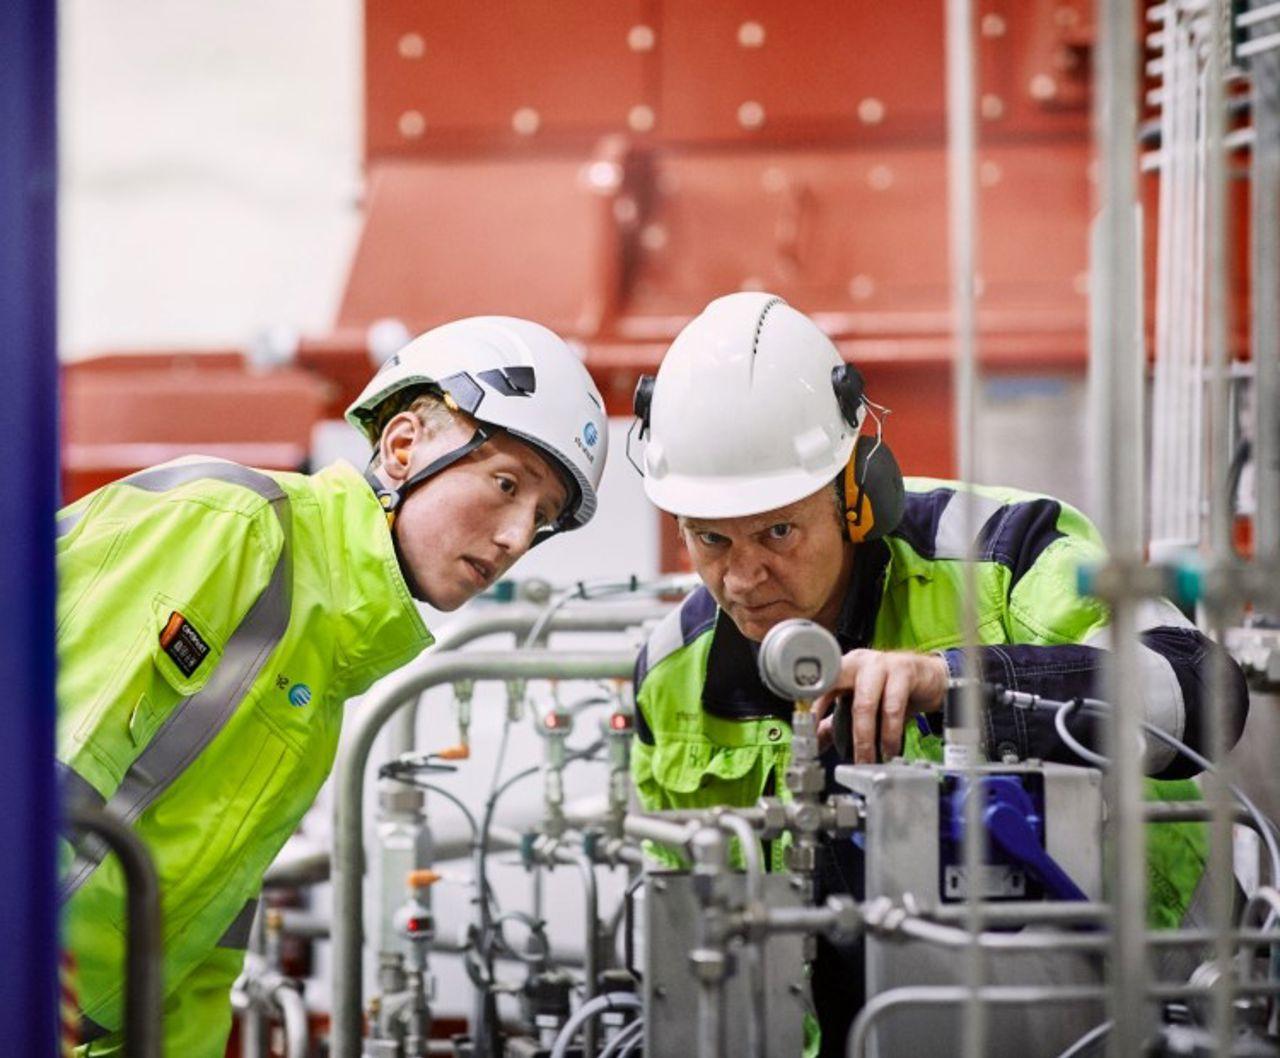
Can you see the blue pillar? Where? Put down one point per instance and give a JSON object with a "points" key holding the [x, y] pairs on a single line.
{"points": [[28, 497]]}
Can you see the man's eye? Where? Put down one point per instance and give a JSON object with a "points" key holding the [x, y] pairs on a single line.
{"points": [[710, 539], [780, 531], [507, 485]]}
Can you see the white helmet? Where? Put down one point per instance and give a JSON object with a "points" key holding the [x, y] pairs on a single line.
{"points": [[752, 409], [507, 373]]}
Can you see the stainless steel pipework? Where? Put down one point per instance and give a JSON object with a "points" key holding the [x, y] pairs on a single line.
{"points": [[551, 851], [143, 990], [520, 619], [397, 692], [951, 995]]}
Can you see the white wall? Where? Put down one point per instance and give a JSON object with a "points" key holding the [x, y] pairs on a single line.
{"points": [[210, 168]]}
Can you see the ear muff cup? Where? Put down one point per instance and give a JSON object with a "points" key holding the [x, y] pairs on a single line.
{"points": [[874, 495]]}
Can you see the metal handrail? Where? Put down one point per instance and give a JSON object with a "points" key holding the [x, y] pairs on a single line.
{"points": [[143, 990], [394, 694]]}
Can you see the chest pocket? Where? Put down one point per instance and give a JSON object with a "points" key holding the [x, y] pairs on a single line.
{"points": [[142, 691]]}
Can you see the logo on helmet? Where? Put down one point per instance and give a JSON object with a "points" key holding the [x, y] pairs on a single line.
{"points": [[299, 695], [590, 434]]}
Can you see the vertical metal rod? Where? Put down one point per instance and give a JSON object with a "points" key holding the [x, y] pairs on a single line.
{"points": [[1217, 337], [591, 939], [1120, 362], [963, 221], [143, 987], [1264, 233]]}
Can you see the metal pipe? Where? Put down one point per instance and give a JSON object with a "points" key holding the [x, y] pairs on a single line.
{"points": [[1264, 235], [394, 693], [949, 995], [293, 1012], [143, 989], [757, 1025], [591, 939], [1221, 607], [289, 872], [962, 203], [1118, 356], [519, 618], [649, 828]]}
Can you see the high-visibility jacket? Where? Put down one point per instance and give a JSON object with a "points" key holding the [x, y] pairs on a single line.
{"points": [[710, 733], [211, 622]]}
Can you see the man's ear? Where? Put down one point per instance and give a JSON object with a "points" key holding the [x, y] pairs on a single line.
{"points": [[396, 446]]}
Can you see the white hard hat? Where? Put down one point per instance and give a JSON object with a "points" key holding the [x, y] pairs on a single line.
{"points": [[752, 409], [512, 374]]}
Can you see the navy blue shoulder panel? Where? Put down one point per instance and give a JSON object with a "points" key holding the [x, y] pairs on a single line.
{"points": [[919, 525], [695, 615], [1018, 533]]}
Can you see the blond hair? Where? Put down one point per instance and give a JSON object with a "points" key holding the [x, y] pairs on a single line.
{"points": [[429, 408]]}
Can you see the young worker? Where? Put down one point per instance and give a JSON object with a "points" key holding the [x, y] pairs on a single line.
{"points": [[213, 620]]}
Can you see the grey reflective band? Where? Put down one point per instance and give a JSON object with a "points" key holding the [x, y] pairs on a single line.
{"points": [[67, 523], [198, 719], [75, 789], [237, 934]]}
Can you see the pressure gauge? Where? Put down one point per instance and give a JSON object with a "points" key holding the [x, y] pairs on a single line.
{"points": [[799, 660]]}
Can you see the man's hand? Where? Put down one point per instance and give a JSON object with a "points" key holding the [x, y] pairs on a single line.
{"points": [[888, 688]]}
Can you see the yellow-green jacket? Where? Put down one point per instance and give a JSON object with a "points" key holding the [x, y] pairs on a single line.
{"points": [[212, 621]]}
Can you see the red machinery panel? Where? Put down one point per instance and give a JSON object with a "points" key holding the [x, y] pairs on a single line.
{"points": [[1034, 67], [449, 239], [445, 74], [863, 231], [814, 67], [124, 413]]}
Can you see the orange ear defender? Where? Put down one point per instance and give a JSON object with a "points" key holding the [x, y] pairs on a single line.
{"points": [[874, 496]]}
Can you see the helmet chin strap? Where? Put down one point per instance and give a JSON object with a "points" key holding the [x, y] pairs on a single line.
{"points": [[391, 499]]}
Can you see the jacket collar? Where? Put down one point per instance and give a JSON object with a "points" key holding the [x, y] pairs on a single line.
{"points": [[379, 626]]}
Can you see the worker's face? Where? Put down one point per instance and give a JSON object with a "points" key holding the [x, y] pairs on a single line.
{"points": [[766, 568], [463, 528]]}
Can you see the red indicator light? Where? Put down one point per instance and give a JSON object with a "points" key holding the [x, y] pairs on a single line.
{"points": [[416, 925], [552, 720], [620, 721]]}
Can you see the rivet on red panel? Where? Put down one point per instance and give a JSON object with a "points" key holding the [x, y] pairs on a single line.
{"points": [[993, 25], [992, 107], [526, 121], [751, 35], [870, 111], [774, 179], [412, 124], [653, 237], [862, 287], [880, 178], [640, 118], [1043, 87], [411, 46], [751, 115], [641, 38]]}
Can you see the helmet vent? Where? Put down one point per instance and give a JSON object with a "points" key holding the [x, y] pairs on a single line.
{"points": [[755, 341]]}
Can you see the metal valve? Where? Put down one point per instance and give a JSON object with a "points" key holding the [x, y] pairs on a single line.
{"points": [[799, 660]]}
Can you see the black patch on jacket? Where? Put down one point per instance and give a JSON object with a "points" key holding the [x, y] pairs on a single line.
{"points": [[184, 645]]}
